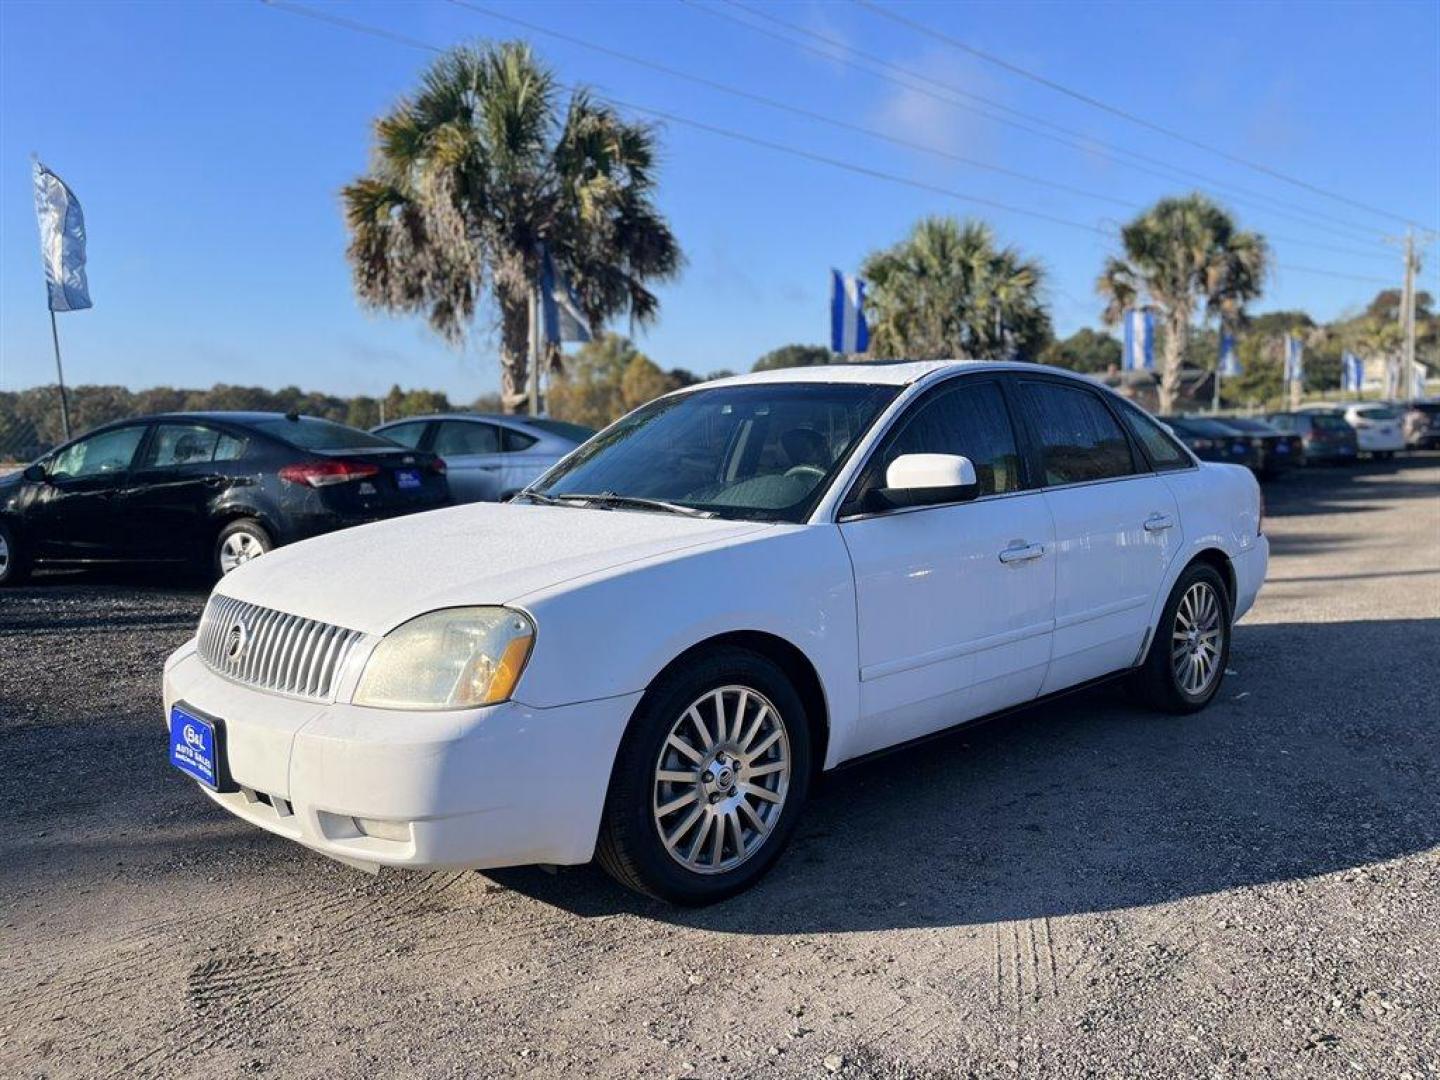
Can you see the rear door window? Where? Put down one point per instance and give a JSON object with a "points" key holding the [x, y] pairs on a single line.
{"points": [[1080, 440], [457, 438], [406, 434], [181, 444]]}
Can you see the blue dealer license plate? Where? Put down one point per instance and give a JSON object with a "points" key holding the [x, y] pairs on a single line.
{"points": [[194, 748], [407, 479]]}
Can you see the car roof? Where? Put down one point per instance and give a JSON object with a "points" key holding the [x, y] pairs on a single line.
{"points": [[880, 372], [495, 418]]}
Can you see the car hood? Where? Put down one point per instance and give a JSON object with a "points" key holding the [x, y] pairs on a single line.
{"points": [[374, 577]]}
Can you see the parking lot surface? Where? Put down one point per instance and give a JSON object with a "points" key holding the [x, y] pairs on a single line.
{"points": [[1084, 889]]}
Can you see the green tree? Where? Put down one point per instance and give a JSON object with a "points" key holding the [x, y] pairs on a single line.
{"points": [[1181, 255], [590, 390], [477, 170], [947, 290], [1085, 350], [788, 356]]}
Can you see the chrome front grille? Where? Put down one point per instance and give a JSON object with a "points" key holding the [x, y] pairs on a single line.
{"points": [[268, 649]]}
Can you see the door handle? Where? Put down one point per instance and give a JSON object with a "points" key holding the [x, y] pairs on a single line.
{"points": [[1022, 553], [1158, 522]]}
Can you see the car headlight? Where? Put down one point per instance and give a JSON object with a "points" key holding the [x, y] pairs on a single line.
{"points": [[452, 659]]}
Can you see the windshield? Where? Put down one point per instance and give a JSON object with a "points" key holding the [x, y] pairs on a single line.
{"points": [[308, 433], [763, 451], [1378, 412]]}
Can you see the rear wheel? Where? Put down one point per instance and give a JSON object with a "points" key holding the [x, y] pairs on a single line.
{"points": [[1186, 663], [238, 543], [709, 780], [14, 562]]}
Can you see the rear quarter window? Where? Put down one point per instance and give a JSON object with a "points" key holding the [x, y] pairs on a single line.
{"points": [[1164, 452]]}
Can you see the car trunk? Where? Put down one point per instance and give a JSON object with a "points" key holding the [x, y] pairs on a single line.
{"points": [[402, 481]]}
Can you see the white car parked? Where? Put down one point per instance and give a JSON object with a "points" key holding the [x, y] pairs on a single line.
{"points": [[1379, 429], [649, 654]]}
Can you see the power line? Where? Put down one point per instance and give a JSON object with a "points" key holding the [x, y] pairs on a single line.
{"points": [[847, 125], [906, 78], [755, 140], [990, 58]]}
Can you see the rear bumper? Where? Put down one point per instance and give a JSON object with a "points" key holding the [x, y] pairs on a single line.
{"points": [[504, 785], [1250, 567], [1376, 442]]}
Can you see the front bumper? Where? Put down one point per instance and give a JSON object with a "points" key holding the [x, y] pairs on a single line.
{"points": [[504, 785]]}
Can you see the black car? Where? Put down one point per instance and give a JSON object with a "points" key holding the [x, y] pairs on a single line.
{"points": [[1275, 450], [1324, 436], [211, 489], [1211, 441]]}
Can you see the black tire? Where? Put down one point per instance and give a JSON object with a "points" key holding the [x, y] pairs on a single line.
{"points": [[14, 560], [242, 531], [630, 847], [1156, 681]]}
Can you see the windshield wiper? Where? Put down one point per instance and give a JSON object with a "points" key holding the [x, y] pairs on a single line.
{"points": [[541, 498], [609, 498]]}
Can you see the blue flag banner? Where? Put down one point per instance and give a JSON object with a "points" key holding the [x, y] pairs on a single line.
{"points": [[560, 316], [1294, 359], [848, 330], [1139, 340], [1352, 372], [1229, 355], [62, 242]]}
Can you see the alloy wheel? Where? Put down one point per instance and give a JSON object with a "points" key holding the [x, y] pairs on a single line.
{"points": [[238, 548], [4, 554], [1196, 640], [721, 780]]}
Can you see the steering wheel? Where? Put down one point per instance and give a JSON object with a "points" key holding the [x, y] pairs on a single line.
{"points": [[806, 470]]}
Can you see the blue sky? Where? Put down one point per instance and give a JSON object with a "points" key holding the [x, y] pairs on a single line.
{"points": [[208, 144]]}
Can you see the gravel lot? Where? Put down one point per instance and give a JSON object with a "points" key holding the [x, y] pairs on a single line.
{"points": [[1085, 889]]}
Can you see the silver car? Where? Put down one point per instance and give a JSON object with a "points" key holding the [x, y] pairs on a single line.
{"points": [[489, 458]]}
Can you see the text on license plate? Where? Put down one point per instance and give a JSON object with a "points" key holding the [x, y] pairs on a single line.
{"points": [[193, 747], [407, 478]]}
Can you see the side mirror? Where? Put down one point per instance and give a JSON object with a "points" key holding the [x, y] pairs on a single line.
{"points": [[926, 480], [35, 473]]}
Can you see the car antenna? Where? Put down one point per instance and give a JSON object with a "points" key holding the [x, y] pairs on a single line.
{"points": [[292, 416]]}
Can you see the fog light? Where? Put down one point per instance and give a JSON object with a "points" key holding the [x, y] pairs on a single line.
{"points": [[398, 831]]}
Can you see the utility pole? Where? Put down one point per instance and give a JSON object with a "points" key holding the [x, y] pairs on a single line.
{"points": [[1401, 379]]}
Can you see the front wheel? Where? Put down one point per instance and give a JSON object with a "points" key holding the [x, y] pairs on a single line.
{"points": [[709, 781], [1186, 663], [14, 563]]}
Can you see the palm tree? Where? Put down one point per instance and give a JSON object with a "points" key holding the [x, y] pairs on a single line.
{"points": [[946, 290], [479, 168], [1181, 254]]}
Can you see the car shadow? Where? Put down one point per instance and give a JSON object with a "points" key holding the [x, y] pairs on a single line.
{"points": [[1091, 803], [1360, 487]]}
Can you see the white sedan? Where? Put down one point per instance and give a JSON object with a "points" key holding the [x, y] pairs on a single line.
{"points": [[648, 656]]}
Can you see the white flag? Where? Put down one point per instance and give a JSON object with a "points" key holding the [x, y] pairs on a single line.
{"points": [[62, 242]]}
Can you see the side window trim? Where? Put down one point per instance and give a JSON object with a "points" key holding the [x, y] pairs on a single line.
{"points": [[848, 508]]}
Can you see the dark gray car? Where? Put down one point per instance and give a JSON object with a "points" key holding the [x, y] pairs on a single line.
{"points": [[489, 458]]}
